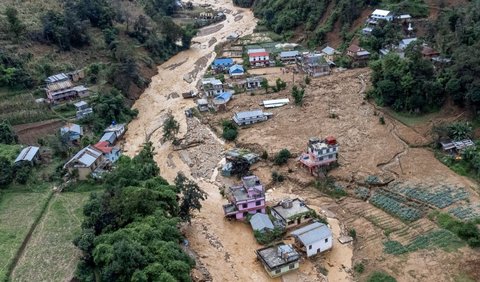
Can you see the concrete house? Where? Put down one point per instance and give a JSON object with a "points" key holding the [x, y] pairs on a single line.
{"points": [[319, 153], [202, 105], [221, 100], [222, 64], [236, 71], [30, 155], [72, 132], [109, 137], [288, 57], [379, 15], [250, 117], [279, 259], [60, 88], [313, 64], [212, 86], [86, 161], [83, 110], [259, 59], [110, 152], [358, 54], [330, 54], [291, 213], [246, 198], [254, 82], [314, 238], [118, 129], [261, 222]]}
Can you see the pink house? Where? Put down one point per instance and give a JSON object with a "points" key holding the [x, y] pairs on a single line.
{"points": [[247, 198]]}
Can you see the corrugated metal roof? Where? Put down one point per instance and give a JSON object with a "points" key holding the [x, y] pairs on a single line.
{"points": [[329, 50], [87, 156], [249, 114], [249, 51], [223, 98], [80, 104], [258, 54], [109, 137], [235, 69], [27, 154], [286, 54], [312, 233], [379, 12], [72, 127], [55, 78], [260, 221], [222, 62]]}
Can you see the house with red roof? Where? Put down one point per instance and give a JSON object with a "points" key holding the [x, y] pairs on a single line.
{"points": [[110, 152], [259, 58]]}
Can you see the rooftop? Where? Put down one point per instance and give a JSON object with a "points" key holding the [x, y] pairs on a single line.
{"points": [[278, 255], [249, 51], [329, 50], [223, 61], [71, 127], [286, 54], [59, 85], [211, 80], [80, 104], [286, 212], [86, 156], [104, 147], [258, 54], [249, 114], [115, 127], [57, 77], [379, 12], [27, 154], [109, 136], [255, 79], [261, 221], [312, 233]]}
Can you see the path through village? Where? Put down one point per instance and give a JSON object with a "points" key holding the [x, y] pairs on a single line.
{"points": [[224, 249]]}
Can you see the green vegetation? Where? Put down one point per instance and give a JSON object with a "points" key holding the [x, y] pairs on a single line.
{"points": [[298, 95], [230, 130], [279, 85], [359, 267], [269, 236], [50, 247], [442, 238], [330, 188], [467, 231], [18, 212], [7, 135], [9, 152], [282, 157], [243, 3], [380, 276], [352, 233], [130, 230], [170, 128], [396, 206], [277, 177], [408, 84]]}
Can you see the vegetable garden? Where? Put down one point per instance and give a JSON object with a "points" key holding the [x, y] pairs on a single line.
{"points": [[440, 197], [466, 213], [438, 238], [396, 206]]}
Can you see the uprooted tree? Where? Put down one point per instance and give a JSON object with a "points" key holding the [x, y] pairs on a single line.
{"points": [[170, 128], [191, 196]]}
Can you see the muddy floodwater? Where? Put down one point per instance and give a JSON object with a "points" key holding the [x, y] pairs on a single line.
{"points": [[224, 249]]}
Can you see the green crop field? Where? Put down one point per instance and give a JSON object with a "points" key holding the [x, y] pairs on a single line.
{"points": [[18, 211], [50, 254]]}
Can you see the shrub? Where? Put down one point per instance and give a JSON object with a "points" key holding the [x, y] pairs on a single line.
{"points": [[380, 276], [381, 120], [269, 236], [22, 174], [264, 155], [359, 267], [352, 233], [230, 131], [277, 177], [282, 157]]}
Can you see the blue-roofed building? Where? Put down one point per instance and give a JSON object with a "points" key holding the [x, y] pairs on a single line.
{"points": [[29, 154], [222, 64], [236, 71], [110, 137], [261, 222], [250, 117], [73, 132], [314, 238], [222, 99]]}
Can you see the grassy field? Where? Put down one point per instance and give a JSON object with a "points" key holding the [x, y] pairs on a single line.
{"points": [[18, 211], [9, 151], [50, 254]]}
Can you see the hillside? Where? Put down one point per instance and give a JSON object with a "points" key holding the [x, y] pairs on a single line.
{"points": [[117, 43]]}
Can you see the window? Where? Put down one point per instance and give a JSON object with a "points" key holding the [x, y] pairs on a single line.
{"points": [[310, 247], [258, 203], [291, 266], [326, 240], [244, 206], [277, 271]]}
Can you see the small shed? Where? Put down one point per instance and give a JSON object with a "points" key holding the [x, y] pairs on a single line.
{"points": [[29, 154], [261, 222]]}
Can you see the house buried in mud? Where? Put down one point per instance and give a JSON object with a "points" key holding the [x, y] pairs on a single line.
{"points": [[279, 259], [320, 153], [247, 198]]}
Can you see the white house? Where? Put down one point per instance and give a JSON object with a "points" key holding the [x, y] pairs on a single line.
{"points": [[259, 59], [379, 14], [405, 42], [314, 238]]}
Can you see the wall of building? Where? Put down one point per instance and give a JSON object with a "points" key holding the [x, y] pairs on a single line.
{"points": [[283, 270], [319, 247]]}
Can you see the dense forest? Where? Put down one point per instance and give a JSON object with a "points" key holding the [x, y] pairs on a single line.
{"points": [[414, 84], [130, 231]]}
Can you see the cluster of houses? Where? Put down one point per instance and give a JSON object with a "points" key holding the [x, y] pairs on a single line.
{"points": [[292, 215], [61, 87], [93, 159]]}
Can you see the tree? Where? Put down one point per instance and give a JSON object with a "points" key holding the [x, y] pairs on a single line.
{"points": [[7, 135], [282, 157], [298, 95], [22, 173], [191, 196], [264, 85], [170, 128], [230, 131], [280, 84], [15, 26], [6, 171]]}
